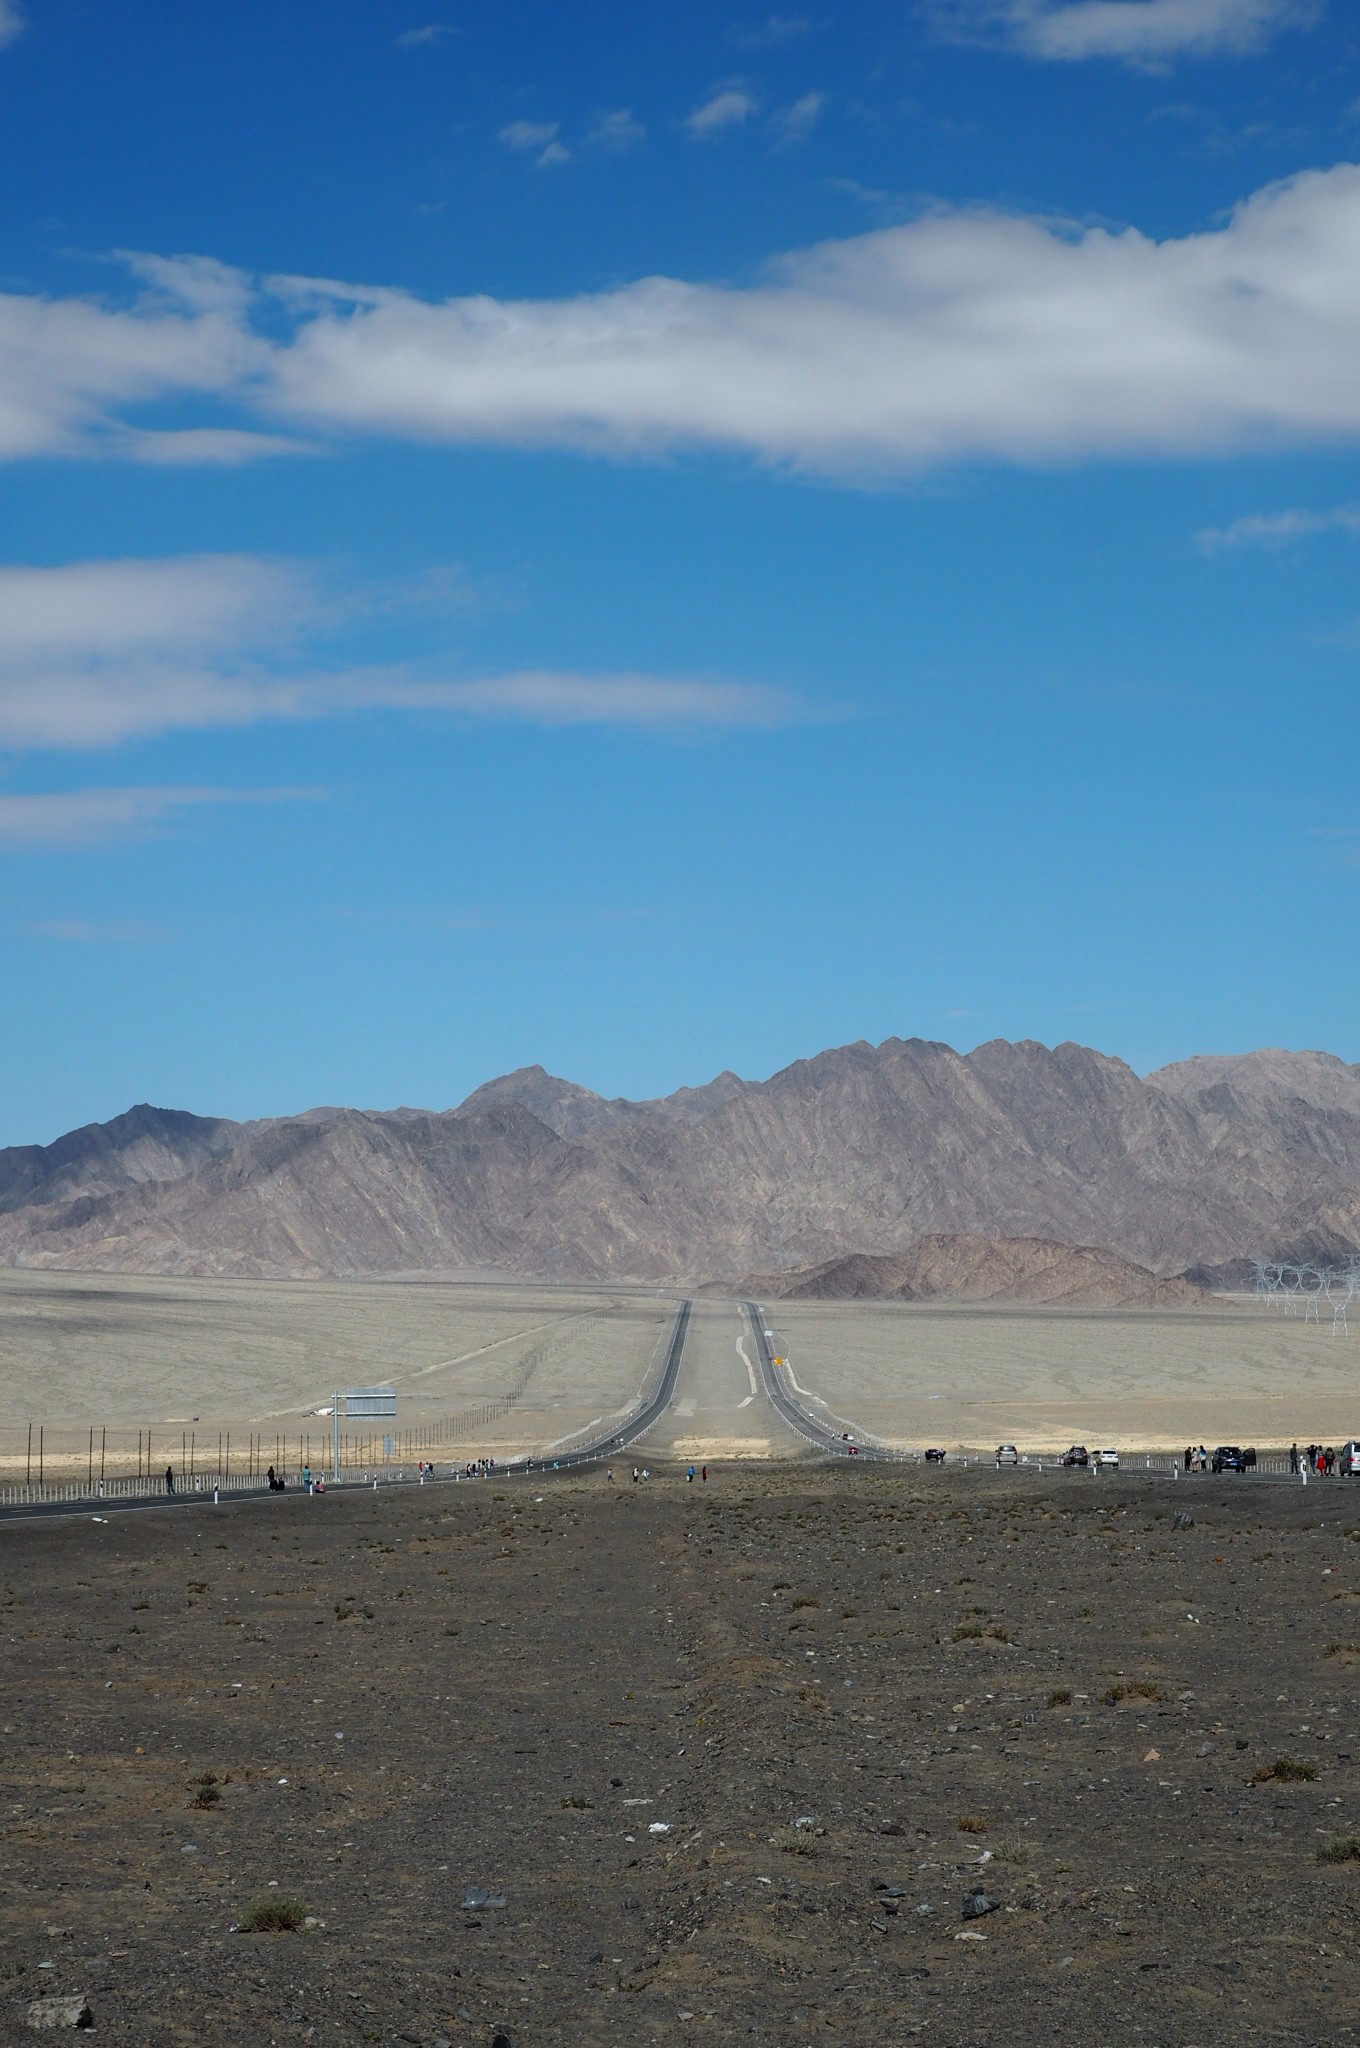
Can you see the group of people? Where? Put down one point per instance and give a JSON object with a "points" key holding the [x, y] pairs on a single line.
{"points": [[1196, 1460], [1313, 1458]]}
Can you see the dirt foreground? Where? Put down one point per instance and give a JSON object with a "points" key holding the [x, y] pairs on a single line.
{"points": [[728, 1754]]}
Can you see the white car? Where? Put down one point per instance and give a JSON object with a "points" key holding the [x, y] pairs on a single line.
{"points": [[1107, 1461], [1006, 1454]]}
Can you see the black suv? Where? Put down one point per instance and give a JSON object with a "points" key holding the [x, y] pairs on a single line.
{"points": [[1078, 1455], [1228, 1458]]}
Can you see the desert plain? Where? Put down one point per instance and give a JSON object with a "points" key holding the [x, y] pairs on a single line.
{"points": [[862, 1753], [508, 1370], [973, 1375]]}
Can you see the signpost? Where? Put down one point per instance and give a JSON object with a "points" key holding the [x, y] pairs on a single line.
{"points": [[367, 1402]]}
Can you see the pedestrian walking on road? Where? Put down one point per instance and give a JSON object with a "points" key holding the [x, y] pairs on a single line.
{"points": [[1294, 1461], [169, 1478]]}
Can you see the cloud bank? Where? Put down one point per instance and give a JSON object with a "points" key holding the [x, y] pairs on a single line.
{"points": [[960, 336], [97, 653], [1140, 32], [91, 817], [1277, 529]]}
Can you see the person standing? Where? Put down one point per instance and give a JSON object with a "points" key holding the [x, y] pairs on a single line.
{"points": [[689, 1476], [170, 1479], [704, 1475], [1294, 1461]]}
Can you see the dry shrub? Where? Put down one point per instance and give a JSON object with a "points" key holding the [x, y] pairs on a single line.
{"points": [[281, 1915]]}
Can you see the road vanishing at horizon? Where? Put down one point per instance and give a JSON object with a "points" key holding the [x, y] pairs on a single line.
{"points": [[720, 1408]]}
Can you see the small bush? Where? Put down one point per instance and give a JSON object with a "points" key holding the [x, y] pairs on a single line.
{"points": [[1285, 1770], [575, 1802], [971, 1824], [1340, 1849], [1342, 1649], [1010, 1851], [207, 1790], [968, 1633], [1061, 1696], [281, 1915], [804, 1600], [13, 1968], [1136, 1689]]}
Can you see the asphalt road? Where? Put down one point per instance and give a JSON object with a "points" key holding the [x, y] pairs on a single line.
{"points": [[782, 1401], [637, 1426]]}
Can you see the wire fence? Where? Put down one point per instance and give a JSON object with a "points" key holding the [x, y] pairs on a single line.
{"points": [[47, 1462]]}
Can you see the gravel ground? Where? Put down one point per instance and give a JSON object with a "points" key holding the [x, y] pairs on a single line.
{"points": [[731, 1754]]}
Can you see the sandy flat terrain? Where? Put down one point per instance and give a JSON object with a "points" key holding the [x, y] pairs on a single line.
{"points": [[260, 1357], [1044, 1378]]}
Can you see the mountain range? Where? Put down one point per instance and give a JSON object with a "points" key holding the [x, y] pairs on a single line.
{"points": [[863, 1150]]}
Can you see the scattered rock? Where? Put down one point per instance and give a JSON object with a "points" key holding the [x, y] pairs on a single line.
{"points": [[44, 2014], [475, 1900], [1182, 1520], [976, 1905]]}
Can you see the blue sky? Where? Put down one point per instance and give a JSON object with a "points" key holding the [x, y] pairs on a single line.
{"points": [[660, 539]]}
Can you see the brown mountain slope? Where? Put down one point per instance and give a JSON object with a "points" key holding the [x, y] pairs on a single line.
{"points": [[1269, 1075], [970, 1268], [862, 1147], [569, 1109]]}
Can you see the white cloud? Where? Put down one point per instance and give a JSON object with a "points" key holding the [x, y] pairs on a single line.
{"points": [[959, 336], [1276, 529], [84, 931], [538, 138], [617, 131], [105, 611], [89, 817], [794, 124], [547, 697], [1142, 32], [101, 652], [11, 22], [727, 108], [773, 33], [68, 365], [425, 38]]}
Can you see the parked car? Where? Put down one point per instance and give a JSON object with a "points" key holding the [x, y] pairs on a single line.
{"points": [[1348, 1459], [1077, 1455], [1006, 1454], [1229, 1458], [1105, 1461], [934, 1456]]}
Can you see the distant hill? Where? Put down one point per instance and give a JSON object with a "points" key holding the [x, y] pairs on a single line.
{"points": [[863, 1150], [970, 1268]]}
